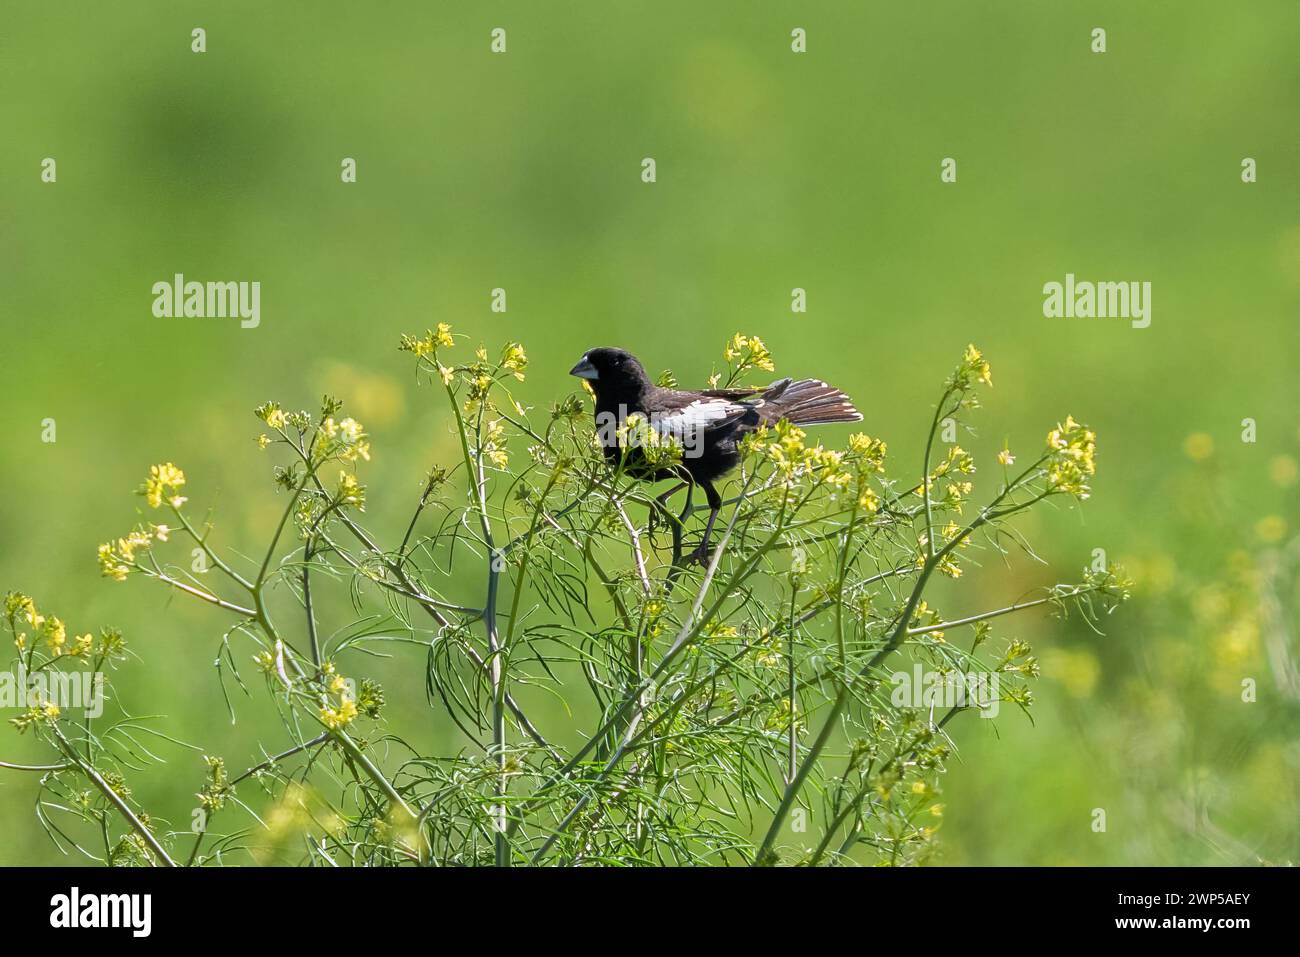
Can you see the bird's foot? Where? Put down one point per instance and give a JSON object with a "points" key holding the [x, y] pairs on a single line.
{"points": [[698, 556], [655, 523]]}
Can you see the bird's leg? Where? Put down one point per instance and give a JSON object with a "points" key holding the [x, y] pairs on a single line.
{"points": [[679, 523], [701, 554], [661, 505]]}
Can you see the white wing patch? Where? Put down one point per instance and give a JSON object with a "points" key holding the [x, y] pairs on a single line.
{"points": [[694, 418]]}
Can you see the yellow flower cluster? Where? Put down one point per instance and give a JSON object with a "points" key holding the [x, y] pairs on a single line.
{"points": [[44, 713], [948, 565], [480, 380], [719, 631], [213, 795], [770, 652], [657, 450], [117, 558], [779, 718], [164, 483], [494, 445], [338, 707], [351, 492], [954, 495], [792, 460], [55, 635], [924, 617], [652, 613], [1072, 458], [20, 611], [345, 439], [748, 352], [514, 361], [430, 343], [958, 460], [20, 607], [869, 453], [956, 463], [973, 368]]}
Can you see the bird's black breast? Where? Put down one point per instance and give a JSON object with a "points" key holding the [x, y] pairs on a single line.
{"points": [[711, 454], [718, 454]]}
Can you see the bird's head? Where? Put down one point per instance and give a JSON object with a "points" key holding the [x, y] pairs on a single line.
{"points": [[611, 371]]}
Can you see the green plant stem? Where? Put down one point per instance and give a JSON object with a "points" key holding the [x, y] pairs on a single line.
{"points": [[213, 557], [925, 473], [765, 851], [279, 530], [690, 630], [338, 734], [496, 654], [269, 762], [7, 765], [197, 592], [114, 798], [308, 610], [996, 613]]}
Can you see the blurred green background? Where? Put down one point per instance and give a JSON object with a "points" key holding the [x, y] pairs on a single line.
{"points": [[775, 171]]}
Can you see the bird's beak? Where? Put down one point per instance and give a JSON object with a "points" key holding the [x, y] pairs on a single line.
{"points": [[585, 370]]}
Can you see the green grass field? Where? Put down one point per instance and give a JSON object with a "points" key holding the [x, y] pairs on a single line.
{"points": [[774, 171]]}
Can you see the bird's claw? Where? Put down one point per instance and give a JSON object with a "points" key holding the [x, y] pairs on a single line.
{"points": [[699, 556], [653, 523]]}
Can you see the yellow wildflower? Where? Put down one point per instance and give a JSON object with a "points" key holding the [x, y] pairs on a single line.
{"points": [[18, 605], [748, 352], [55, 635], [338, 708], [430, 343], [1073, 450], [1271, 529], [338, 717], [110, 563], [1198, 446], [351, 492], [1284, 471], [977, 366], [164, 482], [494, 445], [514, 360], [869, 452]]}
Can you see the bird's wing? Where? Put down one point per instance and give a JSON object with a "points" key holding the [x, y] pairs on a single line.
{"points": [[685, 414]]}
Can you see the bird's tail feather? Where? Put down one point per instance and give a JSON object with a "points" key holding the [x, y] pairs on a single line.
{"points": [[812, 402]]}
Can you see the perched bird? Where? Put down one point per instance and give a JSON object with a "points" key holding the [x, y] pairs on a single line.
{"points": [[708, 424]]}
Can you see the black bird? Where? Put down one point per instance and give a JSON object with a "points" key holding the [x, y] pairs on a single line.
{"points": [[709, 424]]}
